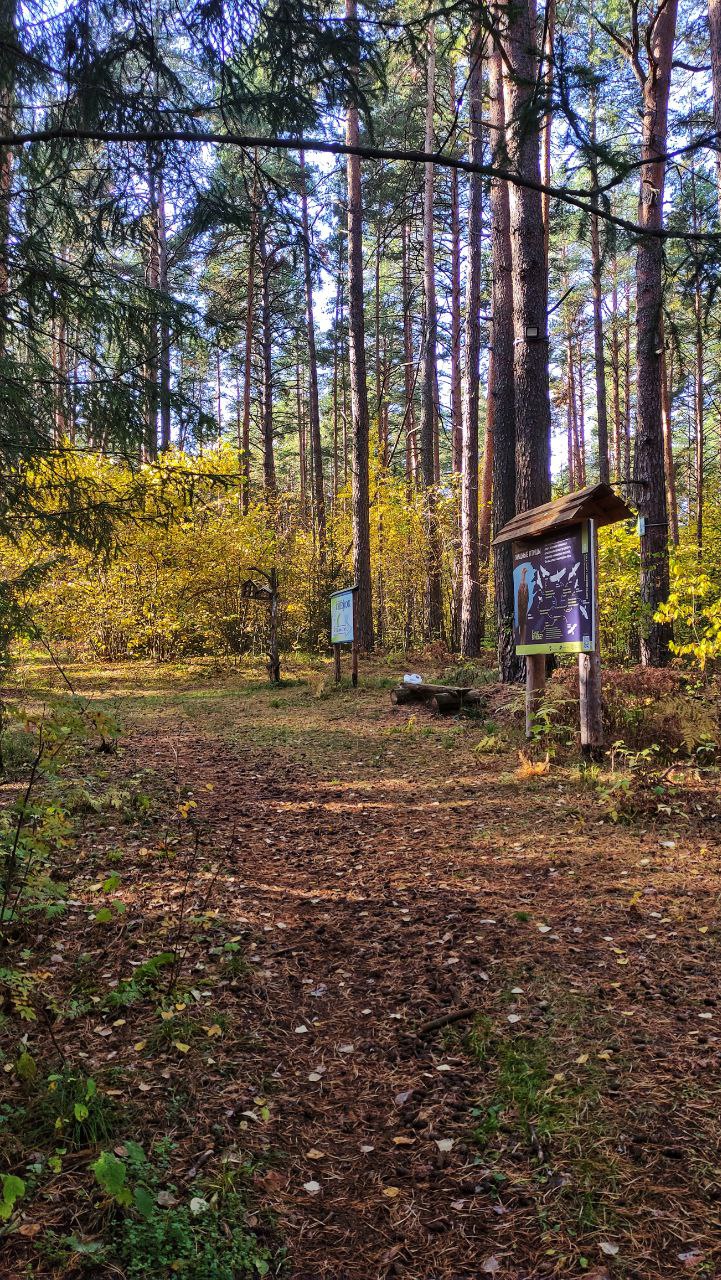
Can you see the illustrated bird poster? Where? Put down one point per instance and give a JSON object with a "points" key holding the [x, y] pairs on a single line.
{"points": [[553, 592]]}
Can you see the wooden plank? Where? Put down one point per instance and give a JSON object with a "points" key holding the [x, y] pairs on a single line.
{"points": [[589, 676], [535, 686], [354, 646], [598, 502]]}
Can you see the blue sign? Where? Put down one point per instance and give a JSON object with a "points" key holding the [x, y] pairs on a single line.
{"points": [[341, 616]]}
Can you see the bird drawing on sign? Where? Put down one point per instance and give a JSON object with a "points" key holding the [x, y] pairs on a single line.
{"points": [[522, 605], [556, 577], [574, 571], [546, 573], [584, 611], [572, 630]]}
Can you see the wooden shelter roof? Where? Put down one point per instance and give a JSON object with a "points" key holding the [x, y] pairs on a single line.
{"points": [[598, 502]]}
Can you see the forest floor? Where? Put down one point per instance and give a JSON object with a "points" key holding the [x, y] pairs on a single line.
{"points": [[330, 874]]}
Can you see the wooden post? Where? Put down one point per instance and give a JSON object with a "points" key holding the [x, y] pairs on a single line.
{"points": [[589, 668], [354, 647], [336, 663], [535, 686]]}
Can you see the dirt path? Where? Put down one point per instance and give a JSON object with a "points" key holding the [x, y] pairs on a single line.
{"points": [[372, 908], [568, 1128]]}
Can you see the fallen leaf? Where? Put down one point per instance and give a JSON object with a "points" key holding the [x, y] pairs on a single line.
{"points": [[609, 1249], [444, 1144], [166, 1199], [311, 1187], [390, 1193], [315, 1154], [490, 1267], [403, 1142], [182, 1048]]}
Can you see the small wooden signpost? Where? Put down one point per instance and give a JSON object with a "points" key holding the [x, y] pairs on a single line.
{"points": [[343, 629], [251, 590], [555, 578]]}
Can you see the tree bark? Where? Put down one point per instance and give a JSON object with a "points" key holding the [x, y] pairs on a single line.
{"points": [[714, 22], [359, 389], [313, 401], [456, 381], [616, 376], [669, 465], [266, 268], [302, 443], [153, 283], [408, 360], [581, 420], [164, 355], [573, 459], [470, 637], [337, 321], [528, 256], [698, 384], [486, 500], [248, 357], [548, 55], [604, 467], [8, 34], [649, 474], [429, 420], [627, 386], [501, 382]]}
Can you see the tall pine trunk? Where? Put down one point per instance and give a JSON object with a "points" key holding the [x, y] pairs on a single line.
{"points": [[669, 465], [313, 401], [152, 279], [714, 22], [456, 381], [266, 268], [8, 35], [409, 376], [244, 442], [604, 467], [164, 354], [616, 376], [470, 638], [649, 474], [699, 388], [429, 420], [548, 56], [501, 386], [528, 257], [359, 389]]}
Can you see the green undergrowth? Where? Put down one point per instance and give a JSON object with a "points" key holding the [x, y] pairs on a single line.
{"points": [[540, 1128]]}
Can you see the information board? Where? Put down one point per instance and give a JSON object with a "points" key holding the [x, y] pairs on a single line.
{"points": [[341, 616], [553, 592]]}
